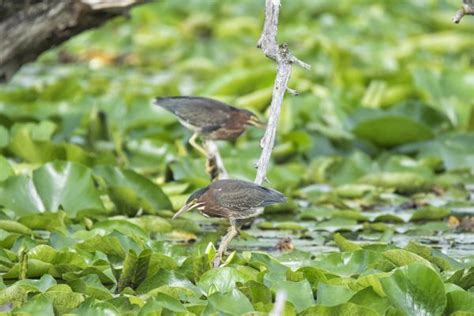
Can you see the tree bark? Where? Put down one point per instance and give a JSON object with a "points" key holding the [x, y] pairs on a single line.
{"points": [[30, 27]]}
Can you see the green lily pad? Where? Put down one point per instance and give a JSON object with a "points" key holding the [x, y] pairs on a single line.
{"points": [[416, 289], [130, 191], [347, 309], [55, 186], [233, 302]]}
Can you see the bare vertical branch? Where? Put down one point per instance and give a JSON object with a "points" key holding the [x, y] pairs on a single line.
{"points": [[284, 59], [467, 8]]}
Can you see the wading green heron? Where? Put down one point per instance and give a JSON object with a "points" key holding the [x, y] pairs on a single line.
{"points": [[208, 118], [231, 199]]}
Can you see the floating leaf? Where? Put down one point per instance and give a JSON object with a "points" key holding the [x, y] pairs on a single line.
{"points": [[131, 191], [233, 302], [54, 186], [134, 270], [332, 295], [347, 309], [416, 289], [224, 279]]}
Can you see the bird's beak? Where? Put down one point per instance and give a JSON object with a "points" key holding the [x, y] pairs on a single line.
{"points": [[255, 121], [187, 207]]}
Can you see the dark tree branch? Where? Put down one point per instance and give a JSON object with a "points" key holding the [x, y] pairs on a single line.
{"points": [[28, 28]]}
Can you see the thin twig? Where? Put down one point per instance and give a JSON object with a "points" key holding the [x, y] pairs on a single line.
{"points": [[284, 59], [466, 9]]}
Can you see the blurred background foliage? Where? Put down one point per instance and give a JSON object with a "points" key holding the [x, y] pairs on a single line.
{"points": [[379, 145], [386, 77]]}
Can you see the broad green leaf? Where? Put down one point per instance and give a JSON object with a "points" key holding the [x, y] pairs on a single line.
{"points": [[430, 213], [256, 292], [42, 285], [126, 304], [15, 227], [370, 299], [107, 244], [443, 261], [344, 244], [224, 279], [169, 303], [63, 298], [34, 269], [416, 289], [54, 186], [45, 221], [391, 130], [39, 305], [463, 278], [347, 309], [131, 191], [4, 137], [348, 263], [152, 224], [121, 225], [281, 226], [233, 302], [460, 301], [24, 145], [90, 285], [299, 293], [98, 308], [454, 149], [332, 295], [134, 270], [5, 169], [14, 294], [401, 257], [170, 278], [402, 124]]}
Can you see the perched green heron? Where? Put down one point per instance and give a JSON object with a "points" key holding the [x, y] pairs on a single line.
{"points": [[231, 199], [211, 119]]}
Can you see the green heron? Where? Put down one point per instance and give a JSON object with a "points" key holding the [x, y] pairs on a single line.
{"points": [[211, 119], [231, 199]]}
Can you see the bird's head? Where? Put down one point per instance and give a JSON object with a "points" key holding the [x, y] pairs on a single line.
{"points": [[192, 202]]}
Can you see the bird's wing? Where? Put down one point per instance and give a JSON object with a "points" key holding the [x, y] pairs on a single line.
{"points": [[241, 196], [197, 111]]}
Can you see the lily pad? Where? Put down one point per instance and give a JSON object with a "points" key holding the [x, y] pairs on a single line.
{"points": [[416, 289]]}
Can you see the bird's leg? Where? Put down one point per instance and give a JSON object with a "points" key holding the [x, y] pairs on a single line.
{"points": [[192, 142], [215, 165], [231, 233], [211, 168]]}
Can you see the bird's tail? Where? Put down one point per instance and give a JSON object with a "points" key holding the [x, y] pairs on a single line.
{"points": [[167, 102], [273, 196]]}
